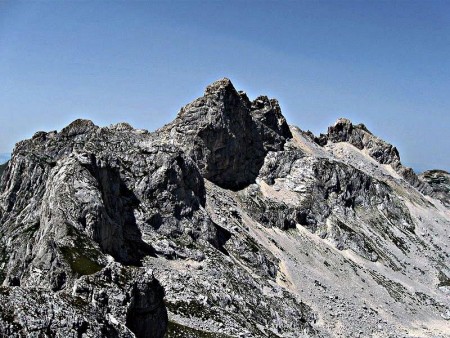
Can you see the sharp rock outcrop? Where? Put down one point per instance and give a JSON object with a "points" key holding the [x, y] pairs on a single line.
{"points": [[360, 137], [227, 135], [439, 181]]}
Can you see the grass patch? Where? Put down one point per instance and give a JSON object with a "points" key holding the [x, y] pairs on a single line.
{"points": [[82, 257], [192, 309], [5, 290], [82, 263]]}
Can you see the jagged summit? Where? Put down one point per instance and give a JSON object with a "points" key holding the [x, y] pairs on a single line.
{"points": [[384, 153], [227, 135], [224, 223], [79, 126], [360, 137], [343, 121], [223, 84]]}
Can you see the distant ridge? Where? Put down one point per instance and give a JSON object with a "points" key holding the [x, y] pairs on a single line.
{"points": [[4, 157]]}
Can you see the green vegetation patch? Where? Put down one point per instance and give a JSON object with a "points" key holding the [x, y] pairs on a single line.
{"points": [[192, 309], [5, 290], [81, 260], [82, 255]]}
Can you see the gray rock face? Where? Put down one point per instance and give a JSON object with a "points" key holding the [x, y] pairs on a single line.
{"points": [[360, 137], [128, 296], [317, 193], [383, 152], [224, 223], [98, 307], [91, 185], [228, 136], [439, 180]]}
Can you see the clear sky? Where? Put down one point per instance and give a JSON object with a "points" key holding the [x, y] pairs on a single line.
{"points": [[382, 63]]}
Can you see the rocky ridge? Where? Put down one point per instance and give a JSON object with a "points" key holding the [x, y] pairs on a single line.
{"points": [[384, 153], [227, 222], [439, 181]]}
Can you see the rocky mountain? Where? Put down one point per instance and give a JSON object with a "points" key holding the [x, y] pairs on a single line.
{"points": [[439, 181], [227, 222]]}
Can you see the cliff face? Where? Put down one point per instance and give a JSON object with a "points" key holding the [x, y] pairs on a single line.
{"points": [[224, 223], [227, 135]]}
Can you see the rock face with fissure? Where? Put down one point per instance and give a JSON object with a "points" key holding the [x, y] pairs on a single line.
{"points": [[226, 222], [227, 135]]}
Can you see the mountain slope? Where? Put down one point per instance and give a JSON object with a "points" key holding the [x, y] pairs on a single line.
{"points": [[227, 222]]}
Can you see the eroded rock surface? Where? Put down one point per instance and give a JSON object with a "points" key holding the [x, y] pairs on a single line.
{"points": [[360, 137], [226, 222], [227, 135], [439, 180]]}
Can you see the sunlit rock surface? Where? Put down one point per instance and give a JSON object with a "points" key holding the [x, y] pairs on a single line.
{"points": [[227, 222]]}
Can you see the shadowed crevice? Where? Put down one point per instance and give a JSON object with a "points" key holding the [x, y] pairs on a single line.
{"points": [[117, 231], [147, 314]]}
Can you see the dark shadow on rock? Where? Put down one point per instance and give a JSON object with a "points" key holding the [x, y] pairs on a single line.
{"points": [[155, 221], [235, 164], [117, 231], [227, 135], [223, 235], [147, 314]]}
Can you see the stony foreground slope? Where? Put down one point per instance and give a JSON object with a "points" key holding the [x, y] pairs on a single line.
{"points": [[226, 222]]}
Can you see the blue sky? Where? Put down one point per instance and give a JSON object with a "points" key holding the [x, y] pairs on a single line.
{"points": [[383, 63]]}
